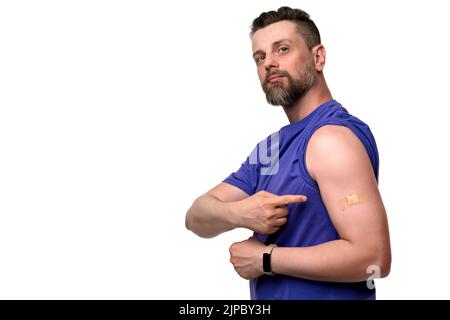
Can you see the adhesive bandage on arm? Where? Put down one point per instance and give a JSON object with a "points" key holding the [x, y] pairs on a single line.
{"points": [[351, 200]]}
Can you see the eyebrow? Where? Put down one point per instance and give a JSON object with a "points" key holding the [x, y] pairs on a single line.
{"points": [[276, 43]]}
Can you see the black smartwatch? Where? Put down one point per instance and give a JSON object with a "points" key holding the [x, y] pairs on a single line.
{"points": [[267, 268]]}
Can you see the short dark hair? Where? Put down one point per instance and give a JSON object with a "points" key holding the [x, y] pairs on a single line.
{"points": [[305, 26]]}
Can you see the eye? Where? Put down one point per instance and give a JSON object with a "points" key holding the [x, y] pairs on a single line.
{"points": [[283, 49], [260, 58]]}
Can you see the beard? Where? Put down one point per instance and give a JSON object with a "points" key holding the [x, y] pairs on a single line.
{"points": [[278, 94]]}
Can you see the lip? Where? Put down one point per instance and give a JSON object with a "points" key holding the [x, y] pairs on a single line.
{"points": [[274, 78]]}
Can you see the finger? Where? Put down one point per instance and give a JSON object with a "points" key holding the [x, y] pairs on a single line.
{"points": [[281, 212], [233, 248], [280, 222], [273, 230], [288, 199]]}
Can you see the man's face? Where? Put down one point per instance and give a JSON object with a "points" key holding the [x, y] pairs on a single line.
{"points": [[285, 64]]}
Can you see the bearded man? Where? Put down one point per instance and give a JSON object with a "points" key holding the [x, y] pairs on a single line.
{"points": [[320, 226]]}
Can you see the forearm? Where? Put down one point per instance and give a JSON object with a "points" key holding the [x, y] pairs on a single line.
{"points": [[334, 261], [209, 217]]}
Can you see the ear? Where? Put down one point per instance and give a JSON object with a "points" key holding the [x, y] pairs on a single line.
{"points": [[319, 55]]}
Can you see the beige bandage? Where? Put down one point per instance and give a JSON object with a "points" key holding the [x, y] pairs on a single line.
{"points": [[351, 200]]}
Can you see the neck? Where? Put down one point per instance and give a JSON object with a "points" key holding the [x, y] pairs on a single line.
{"points": [[314, 97]]}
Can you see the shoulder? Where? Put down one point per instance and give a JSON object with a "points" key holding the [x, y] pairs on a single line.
{"points": [[332, 138], [334, 148]]}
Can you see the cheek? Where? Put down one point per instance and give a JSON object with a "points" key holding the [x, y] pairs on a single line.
{"points": [[291, 67], [261, 74], [290, 62]]}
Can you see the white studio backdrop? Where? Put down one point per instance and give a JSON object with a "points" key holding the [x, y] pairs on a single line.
{"points": [[116, 115]]}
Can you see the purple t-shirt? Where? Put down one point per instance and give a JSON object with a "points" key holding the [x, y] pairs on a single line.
{"points": [[277, 165]]}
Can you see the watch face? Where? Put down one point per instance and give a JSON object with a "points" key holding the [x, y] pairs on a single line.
{"points": [[266, 262]]}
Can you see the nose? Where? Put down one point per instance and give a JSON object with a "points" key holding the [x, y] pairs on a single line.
{"points": [[270, 62]]}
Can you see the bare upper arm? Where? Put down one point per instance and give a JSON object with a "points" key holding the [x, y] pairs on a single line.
{"points": [[339, 163], [227, 192]]}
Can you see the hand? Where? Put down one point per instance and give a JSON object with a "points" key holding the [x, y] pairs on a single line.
{"points": [[246, 257], [264, 212]]}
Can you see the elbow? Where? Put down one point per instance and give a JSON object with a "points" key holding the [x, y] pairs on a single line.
{"points": [[385, 258], [192, 225], [385, 264], [381, 262], [375, 260], [188, 221]]}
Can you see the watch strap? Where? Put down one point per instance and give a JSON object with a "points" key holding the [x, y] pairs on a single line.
{"points": [[267, 267]]}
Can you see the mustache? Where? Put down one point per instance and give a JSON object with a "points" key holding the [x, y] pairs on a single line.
{"points": [[280, 73]]}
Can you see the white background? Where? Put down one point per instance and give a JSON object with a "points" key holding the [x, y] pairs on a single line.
{"points": [[116, 115]]}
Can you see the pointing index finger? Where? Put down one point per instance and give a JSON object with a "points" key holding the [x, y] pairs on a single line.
{"points": [[288, 199]]}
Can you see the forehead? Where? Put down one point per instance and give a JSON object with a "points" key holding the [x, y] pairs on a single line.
{"points": [[275, 32]]}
